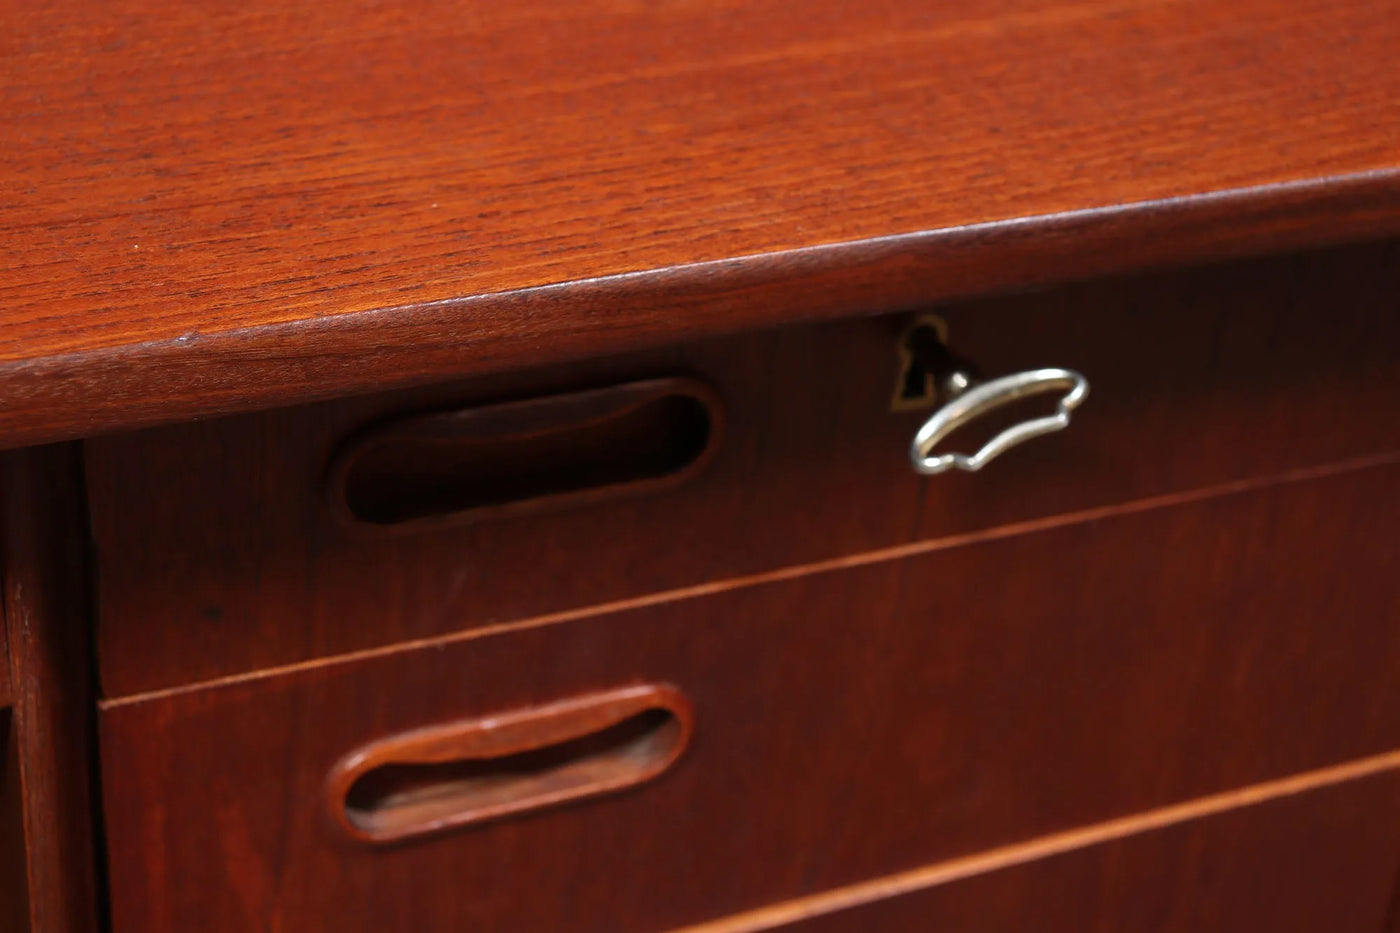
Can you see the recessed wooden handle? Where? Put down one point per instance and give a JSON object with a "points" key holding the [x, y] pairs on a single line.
{"points": [[463, 773], [519, 457]]}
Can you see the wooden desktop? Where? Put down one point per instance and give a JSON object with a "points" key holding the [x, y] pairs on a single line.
{"points": [[458, 466]]}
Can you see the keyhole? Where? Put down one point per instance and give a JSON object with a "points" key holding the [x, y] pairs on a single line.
{"points": [[916, 385]]}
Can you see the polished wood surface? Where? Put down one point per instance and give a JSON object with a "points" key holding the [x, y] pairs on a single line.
{"points": [[849, 723], [219, 555], [1322, 860], [241, 204], [493, 511], [50, 756], [223, 549]]}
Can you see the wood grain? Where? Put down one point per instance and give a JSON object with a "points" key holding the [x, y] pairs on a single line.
{"points": [[41, 553], [849, 725], [218, 555], [242, 204], [1324, 860]]}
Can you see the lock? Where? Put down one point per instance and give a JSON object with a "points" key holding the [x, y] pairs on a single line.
{"points": [[933, 374]]}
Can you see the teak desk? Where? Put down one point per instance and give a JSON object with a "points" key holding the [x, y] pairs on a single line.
{"points": [[460, 466]]}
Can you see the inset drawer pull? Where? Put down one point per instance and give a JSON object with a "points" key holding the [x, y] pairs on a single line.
{"points": [[969, 399], [527, 456], [464, 773]]}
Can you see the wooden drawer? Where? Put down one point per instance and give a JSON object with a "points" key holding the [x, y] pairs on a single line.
{"points": [[847, 723], [218, 554], [1325, 859]]}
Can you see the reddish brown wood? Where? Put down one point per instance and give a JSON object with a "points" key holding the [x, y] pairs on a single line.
{"points": [[218, 555], [41, 554], [6, 688], [1324, 860], [217, 534], [508, 763], [849, 724], [426, 471], [14, 887], [14, 884], [252, 203]]}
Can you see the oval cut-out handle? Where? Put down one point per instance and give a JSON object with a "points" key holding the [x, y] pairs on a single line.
{"points": [[575, 448], [464, 773], [987, 397]]}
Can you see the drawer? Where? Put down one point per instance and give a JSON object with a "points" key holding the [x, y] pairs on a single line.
{"points": [[1325, 859], [824, 727], [223, 547]]}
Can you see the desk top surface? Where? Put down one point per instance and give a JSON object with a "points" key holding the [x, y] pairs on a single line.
{"points": [[242, 203]]}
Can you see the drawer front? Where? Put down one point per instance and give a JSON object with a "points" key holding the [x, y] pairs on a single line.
{"points": [[846, 724], [221, 552], [1323, 860]]}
